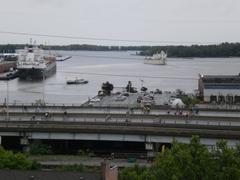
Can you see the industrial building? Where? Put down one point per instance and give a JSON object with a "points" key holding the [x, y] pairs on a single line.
{"points": [[220, 89]]}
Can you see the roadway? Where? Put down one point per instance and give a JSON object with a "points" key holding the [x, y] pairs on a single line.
{"points": [[214, 131], [119, 110], [111, 117], [217, 124]]}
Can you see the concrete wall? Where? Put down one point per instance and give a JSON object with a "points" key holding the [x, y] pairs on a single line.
{"points": [[218, 92], [224, 92]]}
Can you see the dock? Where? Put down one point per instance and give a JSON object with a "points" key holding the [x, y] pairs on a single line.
{"points": [[9, 75]]}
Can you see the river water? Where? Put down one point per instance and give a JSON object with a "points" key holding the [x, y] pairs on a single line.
{"points": [[117, 68]]}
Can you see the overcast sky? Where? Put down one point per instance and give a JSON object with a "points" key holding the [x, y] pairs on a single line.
{"points": [[166, 21]]}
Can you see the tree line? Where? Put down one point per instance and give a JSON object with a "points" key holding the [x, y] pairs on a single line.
{"points": [[220, 50]]}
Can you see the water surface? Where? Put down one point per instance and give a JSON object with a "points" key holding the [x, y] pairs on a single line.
{"points": [[178, 73]]}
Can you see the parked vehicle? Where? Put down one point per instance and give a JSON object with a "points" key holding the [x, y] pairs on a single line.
{"points": [[120, 98]]}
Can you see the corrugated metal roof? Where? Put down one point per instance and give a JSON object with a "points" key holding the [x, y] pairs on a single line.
{"points": [[221, 79]]}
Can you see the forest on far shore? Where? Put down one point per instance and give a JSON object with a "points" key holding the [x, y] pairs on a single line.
{"points": [[220, 50]]}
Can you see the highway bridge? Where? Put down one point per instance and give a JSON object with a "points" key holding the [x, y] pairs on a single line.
{"points": [[160, 126]]}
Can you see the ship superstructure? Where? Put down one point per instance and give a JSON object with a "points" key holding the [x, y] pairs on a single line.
{"points": [[157, 59]]}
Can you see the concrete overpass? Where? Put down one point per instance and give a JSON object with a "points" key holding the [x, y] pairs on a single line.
{"points": [[96, 124], [132, 130]]}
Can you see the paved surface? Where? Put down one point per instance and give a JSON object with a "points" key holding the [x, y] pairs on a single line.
{"points": [[89, 161], [137, 118], [120, 110], [131, 100]]}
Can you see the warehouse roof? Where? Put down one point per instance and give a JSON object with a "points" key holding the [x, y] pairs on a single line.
{"points": [[220, 78]]}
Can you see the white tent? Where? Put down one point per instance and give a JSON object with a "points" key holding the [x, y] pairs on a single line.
{"points": [[177, 103]]}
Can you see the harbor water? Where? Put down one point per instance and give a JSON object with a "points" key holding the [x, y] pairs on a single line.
{"points": [[117, 68]]}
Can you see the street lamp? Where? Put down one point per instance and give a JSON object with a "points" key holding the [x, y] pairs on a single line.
{"points": [[43, 88], [141, 82], [129, 89], [7, 101]]}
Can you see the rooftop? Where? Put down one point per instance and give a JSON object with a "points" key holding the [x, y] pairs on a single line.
{"points": [[46, 175], [220, 78]]}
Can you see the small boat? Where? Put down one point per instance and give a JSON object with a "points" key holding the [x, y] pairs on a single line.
{"points": [[77, 81], [62, 58]]}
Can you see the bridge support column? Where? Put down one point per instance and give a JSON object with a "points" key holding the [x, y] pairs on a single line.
{"points": [[157, 147], [66, 145], [25, 143], [150, 151]]}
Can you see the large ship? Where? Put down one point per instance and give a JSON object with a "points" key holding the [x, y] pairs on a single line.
{"points": [[157, 59], [33, 63]]}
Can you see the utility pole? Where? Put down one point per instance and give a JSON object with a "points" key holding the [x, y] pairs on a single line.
{"points": [[7, 102], [141, 82], [43, 88], [129, 89]]}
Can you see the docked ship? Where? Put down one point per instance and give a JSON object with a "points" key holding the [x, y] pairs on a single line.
{"points": [[157, 59], [33, 63], [7, 65]]}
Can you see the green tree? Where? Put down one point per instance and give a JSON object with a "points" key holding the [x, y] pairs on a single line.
{"points": [[184, 161], [191, 161], [227, 161], [40, 149], [9, 160]]}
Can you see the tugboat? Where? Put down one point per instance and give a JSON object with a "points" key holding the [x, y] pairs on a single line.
{"points": [[77, 81]]}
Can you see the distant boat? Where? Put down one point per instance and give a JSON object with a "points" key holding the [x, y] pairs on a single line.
{"points": [[156, 59], [77, 81], [62, 58]]}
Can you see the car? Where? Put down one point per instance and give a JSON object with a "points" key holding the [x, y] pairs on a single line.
{"points": [[165, 103], [95, 100], [120, 98], [125, 94], [157, 91], [149, 96], [118, 93], [147, 101]]}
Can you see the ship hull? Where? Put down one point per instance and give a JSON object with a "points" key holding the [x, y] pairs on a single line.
{"points": [[37, 73], [155, 62]]}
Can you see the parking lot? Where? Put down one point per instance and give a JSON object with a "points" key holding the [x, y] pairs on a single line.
{"points": [[126, 99]]}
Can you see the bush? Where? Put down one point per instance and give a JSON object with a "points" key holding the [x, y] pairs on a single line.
{"points": [[40, 149], [85, 153], [9, 160], [188, 101]]}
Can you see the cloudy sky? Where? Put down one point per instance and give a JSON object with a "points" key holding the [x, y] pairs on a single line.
{"points": [[163, 21]]}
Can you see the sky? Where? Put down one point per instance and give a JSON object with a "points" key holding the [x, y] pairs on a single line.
{"points": [[150, 22]]}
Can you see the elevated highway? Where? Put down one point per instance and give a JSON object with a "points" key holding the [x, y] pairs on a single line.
{"points": [[56, 108], [116, 125]]}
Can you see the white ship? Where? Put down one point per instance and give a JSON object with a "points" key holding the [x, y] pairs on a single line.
{"points": [[157, 59], [34, 64]]}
